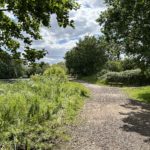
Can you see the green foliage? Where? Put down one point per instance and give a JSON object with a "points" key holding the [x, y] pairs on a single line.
{"points": [[15, 68], [62, 65], [56, 72], [102, 72], [113, 49], [35, 68], [139, 93], [31, 55], [127, 24], [147, 73], [27, 16], [129, 64], [34, 113], [86, 58], [121, 65], [128, 77], [9, 67], [115, 66]]}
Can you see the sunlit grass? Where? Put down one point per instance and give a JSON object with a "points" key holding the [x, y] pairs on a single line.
{"points": [[139, 93], [34, 113]]}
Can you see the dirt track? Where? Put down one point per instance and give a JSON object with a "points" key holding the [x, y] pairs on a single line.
{"points": [[109, 121]]}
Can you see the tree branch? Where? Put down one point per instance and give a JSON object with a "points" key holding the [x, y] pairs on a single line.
{"points": [[5, 10]]}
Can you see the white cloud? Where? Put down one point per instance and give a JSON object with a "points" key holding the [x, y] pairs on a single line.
{"points": [[58, 40]]}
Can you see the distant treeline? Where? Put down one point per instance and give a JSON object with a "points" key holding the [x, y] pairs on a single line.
{"points": [[16, 68]]}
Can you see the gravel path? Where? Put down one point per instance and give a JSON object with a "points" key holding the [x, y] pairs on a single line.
{"points": [[109, 121]]}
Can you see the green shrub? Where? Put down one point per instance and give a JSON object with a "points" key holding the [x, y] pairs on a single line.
{"points": [[101, 73], [121, 65], [147, 74], [129, 64], [35, 68], [127, 77], [115, 66], [62, 65], [56, 73], [34, 113]]}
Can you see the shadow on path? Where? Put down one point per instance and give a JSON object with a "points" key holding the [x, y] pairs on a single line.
{"points": [[138, 119]]}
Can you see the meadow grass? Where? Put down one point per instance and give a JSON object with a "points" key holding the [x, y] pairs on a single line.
{"points": [[34, 113], [139, 93]]}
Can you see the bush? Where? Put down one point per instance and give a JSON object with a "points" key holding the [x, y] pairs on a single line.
{"points": [[122, 65], [129, 64], [115, 66], [147, 74], [34, 113], [101, 73], [127, 77], [9, 67], [35, 68], [56, 73], [62, 65]]}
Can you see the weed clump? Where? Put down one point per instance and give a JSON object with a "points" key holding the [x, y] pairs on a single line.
{"points": [[34, 113]]}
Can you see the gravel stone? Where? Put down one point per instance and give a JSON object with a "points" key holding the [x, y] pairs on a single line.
{"points": [[110, 121]]}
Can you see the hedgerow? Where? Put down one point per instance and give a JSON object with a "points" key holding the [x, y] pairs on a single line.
{"points": [[34, 113], [128, 77]]}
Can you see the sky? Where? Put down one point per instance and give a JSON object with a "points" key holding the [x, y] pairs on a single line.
{"points": [[57, 41]]}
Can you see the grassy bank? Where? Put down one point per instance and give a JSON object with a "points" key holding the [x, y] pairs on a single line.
{"points": [[34, 113], [139, 93]]}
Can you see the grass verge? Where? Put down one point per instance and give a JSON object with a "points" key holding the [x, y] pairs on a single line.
{"points": [[139, 93]]}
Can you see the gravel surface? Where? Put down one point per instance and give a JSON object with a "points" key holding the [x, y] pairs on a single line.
{"points": [[109, 121]]}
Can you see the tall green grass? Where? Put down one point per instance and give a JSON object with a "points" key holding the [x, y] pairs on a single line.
{"points": [[139, 93], [34, 113]]}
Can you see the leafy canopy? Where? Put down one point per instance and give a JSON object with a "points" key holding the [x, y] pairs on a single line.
{"points": [[87, 57], [128, 24], [20, 20]]}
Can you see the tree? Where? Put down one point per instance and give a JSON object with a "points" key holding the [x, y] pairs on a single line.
{"points": [[86, 58], [112, 49], [25, 19], [129, 64], [35, 68], [31, 55], [127, 23], [9, 68]]}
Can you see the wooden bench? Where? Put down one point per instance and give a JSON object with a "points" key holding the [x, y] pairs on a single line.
{"points": [[115, 84]]}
